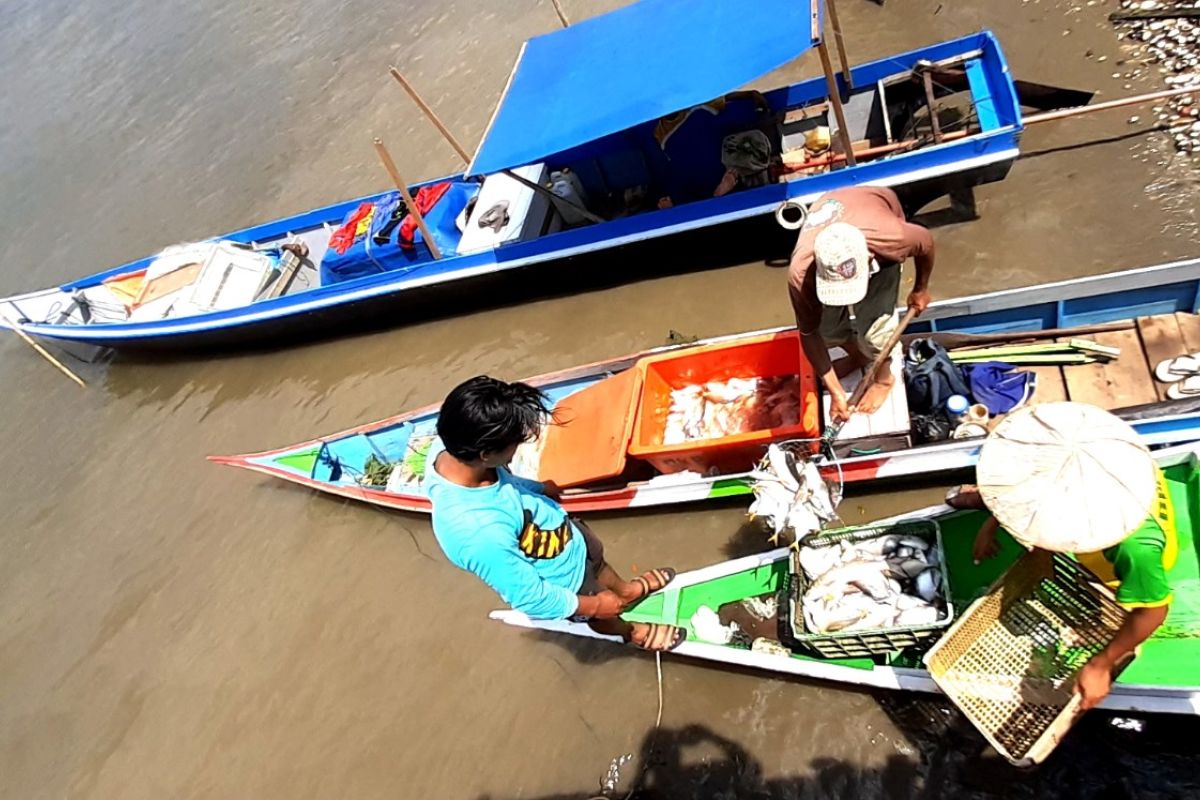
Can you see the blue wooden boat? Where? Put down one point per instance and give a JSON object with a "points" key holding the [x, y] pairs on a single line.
{"points": [[580, 113], [1155, 307]]}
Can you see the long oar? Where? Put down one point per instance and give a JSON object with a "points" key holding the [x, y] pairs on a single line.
{"points": [[951, 340], [16, 327], [868, 380]]}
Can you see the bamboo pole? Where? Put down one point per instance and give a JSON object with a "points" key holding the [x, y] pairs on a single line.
{"points": [[562, 15], [839, 42], [1048, 116], [462, 153], [390, 166], [835, 98], [449, 137], [16, 327], [1136, 99]]}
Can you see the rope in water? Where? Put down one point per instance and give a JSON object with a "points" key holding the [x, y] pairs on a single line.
{"points": [[657, 724]]}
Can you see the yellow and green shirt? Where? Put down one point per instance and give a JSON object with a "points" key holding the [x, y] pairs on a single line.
{"points": [[1136, 569]]}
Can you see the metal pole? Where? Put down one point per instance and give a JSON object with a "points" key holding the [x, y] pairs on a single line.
{"points": [[390, 166], [839, 42], [835, 99], [437, 122]]}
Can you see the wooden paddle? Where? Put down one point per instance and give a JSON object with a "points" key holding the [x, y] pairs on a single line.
{"points": [[950, 340], [868, 380]]}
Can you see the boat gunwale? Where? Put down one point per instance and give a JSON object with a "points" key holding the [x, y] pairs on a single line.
{"points": [[1124, 696]]}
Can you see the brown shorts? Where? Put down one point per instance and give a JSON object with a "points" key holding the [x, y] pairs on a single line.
{"points": [[595, 559]]}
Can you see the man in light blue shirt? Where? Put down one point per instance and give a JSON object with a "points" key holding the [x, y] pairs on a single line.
{"points": [[512, 532]]}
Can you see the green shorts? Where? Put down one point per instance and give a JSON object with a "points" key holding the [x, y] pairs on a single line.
{"points": [[839, 327]]}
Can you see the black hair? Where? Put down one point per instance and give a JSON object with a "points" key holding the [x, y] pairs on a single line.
{"points": [[485, 415]]}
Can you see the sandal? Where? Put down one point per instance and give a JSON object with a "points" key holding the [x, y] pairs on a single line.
{"points": [[662, 638], [652, 581], [1178, 368], [1188, 387]]}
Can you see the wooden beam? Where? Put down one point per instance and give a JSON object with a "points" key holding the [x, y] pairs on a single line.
{"points": [[934, 124], [437, 122], [390, 166], [1156, 13], [839, 42], [43, 352], [562, 15], [835, 98]]}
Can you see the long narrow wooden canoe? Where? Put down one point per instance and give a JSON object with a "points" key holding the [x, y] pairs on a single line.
{"points": [[1158, 302], [581, 112], [1162, 679]]}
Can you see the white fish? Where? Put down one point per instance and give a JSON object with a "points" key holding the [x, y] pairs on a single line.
{"points": [[919, 615], [927, 584]]}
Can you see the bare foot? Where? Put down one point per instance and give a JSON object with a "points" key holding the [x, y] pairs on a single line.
{"points": [[875, 395]]}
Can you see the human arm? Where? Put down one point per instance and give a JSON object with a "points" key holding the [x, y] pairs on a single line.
{"points": [[506, 571], [923, 255], [808, 323], [986, 546], [1095, 679]]}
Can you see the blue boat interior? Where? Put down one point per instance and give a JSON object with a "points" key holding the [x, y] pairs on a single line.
{"points": [[652, 178]]}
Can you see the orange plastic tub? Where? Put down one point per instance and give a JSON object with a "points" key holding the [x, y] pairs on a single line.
{"points": [[764, 356]]}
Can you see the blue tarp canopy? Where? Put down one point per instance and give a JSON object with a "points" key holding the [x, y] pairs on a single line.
{"points": [[637, 63]]}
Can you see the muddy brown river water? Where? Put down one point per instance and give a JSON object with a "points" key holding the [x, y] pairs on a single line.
{"points": [[172, 629]]}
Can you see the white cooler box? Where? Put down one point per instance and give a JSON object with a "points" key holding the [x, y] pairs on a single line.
{"points": [[529, 212]]}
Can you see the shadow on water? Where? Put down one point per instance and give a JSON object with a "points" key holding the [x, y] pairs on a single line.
{"points": [[694, 761], [1097, 761]]}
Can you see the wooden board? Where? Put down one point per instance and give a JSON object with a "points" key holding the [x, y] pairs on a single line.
{"points": [[1051, 386], [1123, 382], [1162, 339], [1189, 327]]}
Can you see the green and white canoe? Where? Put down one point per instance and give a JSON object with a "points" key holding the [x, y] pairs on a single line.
{"points": [[1164, 678]]}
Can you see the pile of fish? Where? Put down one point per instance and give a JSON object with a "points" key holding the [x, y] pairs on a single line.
{"points": [[1173, 43], [726, 408], [791, 495], [885, 582]]}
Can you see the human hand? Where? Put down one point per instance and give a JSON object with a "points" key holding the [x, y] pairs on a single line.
{"points": [[665, 202], [552, 490], [919, 299], [986, 545], [839, 408], [1094, 682], [608, 605]]}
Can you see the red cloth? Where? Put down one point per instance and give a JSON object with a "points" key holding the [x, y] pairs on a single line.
{"points": [[427, 197], [343, 238]]}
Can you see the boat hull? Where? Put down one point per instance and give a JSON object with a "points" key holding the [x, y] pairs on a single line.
{"points": [[1146, 687], [319, 311], [1156, 290]]}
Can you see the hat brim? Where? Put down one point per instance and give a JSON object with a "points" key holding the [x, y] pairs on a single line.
{"points": [[842, 293]]}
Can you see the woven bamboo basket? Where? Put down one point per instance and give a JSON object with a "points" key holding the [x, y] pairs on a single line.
{"points": [[1010, 660]]}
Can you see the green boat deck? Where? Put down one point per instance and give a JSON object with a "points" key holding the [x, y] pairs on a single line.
{"points": [[1168, 659]]}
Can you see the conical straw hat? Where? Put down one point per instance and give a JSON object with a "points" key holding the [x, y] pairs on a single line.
{"points": [[1067, 477]]}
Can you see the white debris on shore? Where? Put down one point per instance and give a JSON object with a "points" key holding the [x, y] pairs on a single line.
{"points": [[1173, 44]]}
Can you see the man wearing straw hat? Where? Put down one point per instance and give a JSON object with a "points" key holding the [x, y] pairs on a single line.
{"points": [[1071, 478], [843, 281]]}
